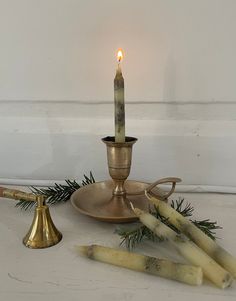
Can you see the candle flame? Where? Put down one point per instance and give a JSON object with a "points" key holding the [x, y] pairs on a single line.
{"points": [[119, 55]]}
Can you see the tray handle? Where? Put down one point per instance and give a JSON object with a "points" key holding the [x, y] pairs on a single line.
{"points": [[163, 195]]}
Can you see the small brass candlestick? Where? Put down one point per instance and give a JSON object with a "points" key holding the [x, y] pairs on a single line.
{"points": [[109, 201]]}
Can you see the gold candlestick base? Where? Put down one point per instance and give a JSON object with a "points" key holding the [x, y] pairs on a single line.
{"points": [[95, 200], [110, 200]]}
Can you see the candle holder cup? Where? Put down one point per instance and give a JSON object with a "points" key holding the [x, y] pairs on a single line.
{"points": [[119, 158]]}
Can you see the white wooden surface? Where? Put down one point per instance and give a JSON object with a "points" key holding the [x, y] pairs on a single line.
{"points": [[58, 273]]}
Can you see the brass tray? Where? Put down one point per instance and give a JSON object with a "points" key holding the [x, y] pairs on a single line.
{"points": [[94, 200]]}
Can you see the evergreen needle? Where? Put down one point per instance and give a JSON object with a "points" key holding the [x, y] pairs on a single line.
{"points": [[133, 235], [130, 236], [58, 193]]}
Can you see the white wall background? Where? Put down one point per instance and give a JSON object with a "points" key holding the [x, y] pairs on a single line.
{"points": [[57, 63]]}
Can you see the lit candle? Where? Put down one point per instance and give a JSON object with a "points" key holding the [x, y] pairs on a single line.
{"points": [[119, 102]]}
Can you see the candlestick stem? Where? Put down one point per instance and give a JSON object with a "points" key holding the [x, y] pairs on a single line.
{"points": [[119, 189]]}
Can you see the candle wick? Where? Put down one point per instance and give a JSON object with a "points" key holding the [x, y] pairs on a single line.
{"points": [[118, 68], [131, 205]]}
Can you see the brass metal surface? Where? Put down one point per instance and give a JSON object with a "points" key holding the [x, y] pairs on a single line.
{"points": [[165, 195], [110, 200], [42, 233], [95, 201], [119, 157]]}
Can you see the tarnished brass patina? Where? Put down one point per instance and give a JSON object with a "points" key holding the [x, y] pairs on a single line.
{"points": [[119, 156], [110, 200], [97, 201], [92, 200], [42, 233]]}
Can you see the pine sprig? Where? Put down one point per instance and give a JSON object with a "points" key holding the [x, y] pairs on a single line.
{"points": [[178, 205], [207, 227], [131, 237], [58, 193]]}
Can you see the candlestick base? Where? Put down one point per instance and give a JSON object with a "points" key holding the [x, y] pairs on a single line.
{"points": [[96, 200], [110, 200]]}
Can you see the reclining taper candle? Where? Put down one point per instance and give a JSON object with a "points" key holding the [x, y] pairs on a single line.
{"points": [[151, 265], [219, 254], [211, 269]]}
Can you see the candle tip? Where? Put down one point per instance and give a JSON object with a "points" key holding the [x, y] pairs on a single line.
{"points": [[137, 211], [132, 206], [82, 250]]}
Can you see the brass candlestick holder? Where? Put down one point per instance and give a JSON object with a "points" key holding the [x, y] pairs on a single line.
{"points": [[42, 233], [109, 201]]}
